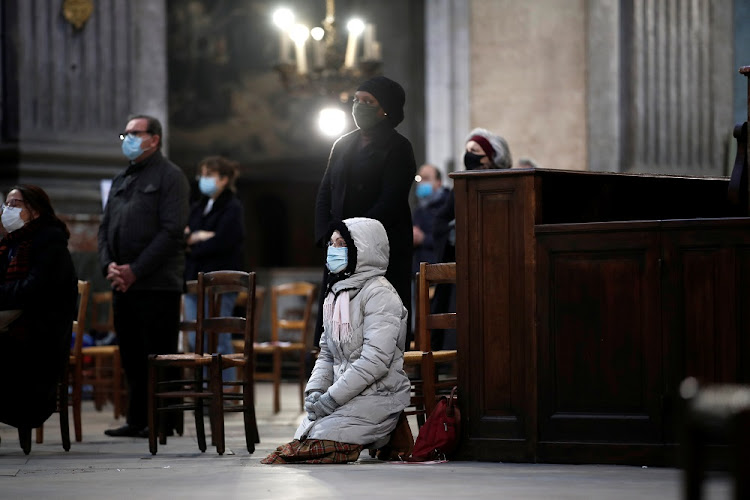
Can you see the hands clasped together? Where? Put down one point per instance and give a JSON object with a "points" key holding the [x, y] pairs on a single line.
{"points": [[121, 277], [318, 405]]}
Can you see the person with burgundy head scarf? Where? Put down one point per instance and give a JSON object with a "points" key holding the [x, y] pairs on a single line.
{"points": [[38, 291], [369, 174], [483, 150]]}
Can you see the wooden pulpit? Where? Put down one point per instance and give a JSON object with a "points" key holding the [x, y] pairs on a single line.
{"points": [[584, 299]]}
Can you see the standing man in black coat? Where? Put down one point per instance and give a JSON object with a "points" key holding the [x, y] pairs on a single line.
{"points": [[142, 254], [369, 174]]}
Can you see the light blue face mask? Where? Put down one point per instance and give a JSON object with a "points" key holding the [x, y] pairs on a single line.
{"points": [[337, 259], [207, 185], [131, 147], [424, 189]]}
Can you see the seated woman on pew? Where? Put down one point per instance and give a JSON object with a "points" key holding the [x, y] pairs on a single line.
{"points": [[38, 293], [358, 387]]}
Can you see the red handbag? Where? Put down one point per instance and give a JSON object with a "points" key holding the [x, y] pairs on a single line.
{"points": [[439, 436]]}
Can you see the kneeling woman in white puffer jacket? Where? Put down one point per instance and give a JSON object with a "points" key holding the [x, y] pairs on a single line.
{"points": [[358, 387]]}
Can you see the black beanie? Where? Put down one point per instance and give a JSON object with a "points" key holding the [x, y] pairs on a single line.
{"points": [[389, 94]]}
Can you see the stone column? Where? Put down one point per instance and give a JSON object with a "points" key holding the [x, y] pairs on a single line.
{"points": [[603, 79], [150, 62], [446, 82]]}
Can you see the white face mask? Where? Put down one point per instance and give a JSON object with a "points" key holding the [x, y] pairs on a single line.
{"points": [[11, 218]]}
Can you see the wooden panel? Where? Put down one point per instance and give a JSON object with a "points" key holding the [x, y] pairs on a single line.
{"points": [[599, 340], [493, 285], [743, 311], [705, 304]]}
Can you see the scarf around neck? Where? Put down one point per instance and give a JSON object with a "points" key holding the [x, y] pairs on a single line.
{"points": [[336, 313]]}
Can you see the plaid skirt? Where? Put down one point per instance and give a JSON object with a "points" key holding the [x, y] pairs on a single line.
{"points": [[314, 451]]}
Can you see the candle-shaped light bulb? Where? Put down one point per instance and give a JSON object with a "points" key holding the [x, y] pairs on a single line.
{"points": [[317, 35], [284, 19], [355, 27], [367, 42], [299, 33]]}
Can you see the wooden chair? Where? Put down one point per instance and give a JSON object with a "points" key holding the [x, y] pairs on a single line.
{"points": [[280, 344], [169, 395], [260, 299], [226, 399], [105, 373], [76, 357], [73, 377], [238, 345], [187, 326], [427, 385]]}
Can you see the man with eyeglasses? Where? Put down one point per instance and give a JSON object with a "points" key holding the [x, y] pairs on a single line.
{"points": [[142, 254]]}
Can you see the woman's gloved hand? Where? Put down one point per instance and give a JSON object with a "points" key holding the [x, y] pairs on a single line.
{"points": [[311, 399], [324, 406]]}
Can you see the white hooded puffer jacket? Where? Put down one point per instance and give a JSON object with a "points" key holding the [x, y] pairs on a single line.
{"points": [[363, 374]]}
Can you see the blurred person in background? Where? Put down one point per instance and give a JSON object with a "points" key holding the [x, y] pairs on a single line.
{"points": [[215, 235]]}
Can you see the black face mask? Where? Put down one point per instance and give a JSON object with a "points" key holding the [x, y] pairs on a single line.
{"points": [[473, 161]]}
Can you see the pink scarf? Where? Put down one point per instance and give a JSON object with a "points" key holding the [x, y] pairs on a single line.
{"points": [[336, 311]]}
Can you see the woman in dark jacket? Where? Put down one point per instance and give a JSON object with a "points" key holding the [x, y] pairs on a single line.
{"points": [[215, 234], [369, 174], [38, 279]]}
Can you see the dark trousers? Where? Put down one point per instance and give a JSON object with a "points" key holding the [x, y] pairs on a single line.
{"points": [[146, 322]]}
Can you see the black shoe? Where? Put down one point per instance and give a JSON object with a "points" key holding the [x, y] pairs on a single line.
{"points": [[127, 430], [144, 433]]}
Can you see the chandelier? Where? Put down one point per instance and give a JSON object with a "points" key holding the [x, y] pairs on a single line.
{"points": [[316, 61]]}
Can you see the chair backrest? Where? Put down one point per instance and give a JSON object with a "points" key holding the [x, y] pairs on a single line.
{"points": [[260, 299], [301, 320], [191, 286], [100, 300], [79, 324], [213, 284], [432, 274]]}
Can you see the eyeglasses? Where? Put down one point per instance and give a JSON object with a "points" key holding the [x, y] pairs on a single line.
{"points": [[133, 133], [13, 203]]}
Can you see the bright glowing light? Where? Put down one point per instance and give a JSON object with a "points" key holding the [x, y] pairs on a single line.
{"points": [[299, 33], [317, 33], [283, 18], [417, 178], [355, 26], [331, 121]]}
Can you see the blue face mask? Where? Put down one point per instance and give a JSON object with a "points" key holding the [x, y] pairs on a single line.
{"points": [[424, 189], [336, 259], [131, 147], [207, 185]]}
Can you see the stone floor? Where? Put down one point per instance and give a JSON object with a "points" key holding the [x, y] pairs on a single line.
{"points": [[113, 468]]}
